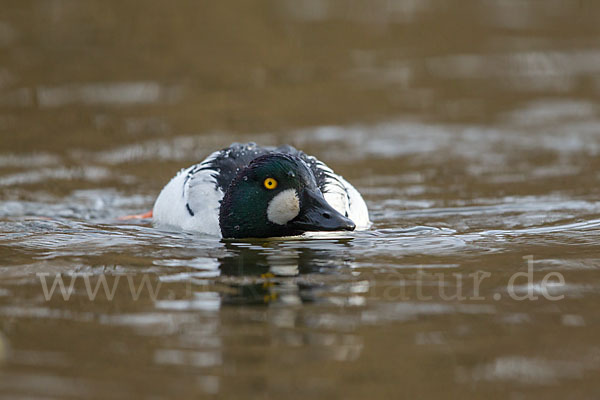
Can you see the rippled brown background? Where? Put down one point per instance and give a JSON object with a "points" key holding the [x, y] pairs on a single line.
{"points": [[472, 128]]}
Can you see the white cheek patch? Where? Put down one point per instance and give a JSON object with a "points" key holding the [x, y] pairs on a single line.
{"points": [[284, 207]]}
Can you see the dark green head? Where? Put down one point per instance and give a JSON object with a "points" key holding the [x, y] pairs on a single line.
{"points": [[277, 195]]}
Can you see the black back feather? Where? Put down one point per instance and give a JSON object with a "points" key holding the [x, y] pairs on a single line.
{"points": [[231, 160]]}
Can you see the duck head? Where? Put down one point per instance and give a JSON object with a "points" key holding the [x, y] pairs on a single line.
{"points": [[277, 195]]}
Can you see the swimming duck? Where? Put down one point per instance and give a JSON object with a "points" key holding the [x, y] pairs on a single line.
{"points": [[247, 190]]}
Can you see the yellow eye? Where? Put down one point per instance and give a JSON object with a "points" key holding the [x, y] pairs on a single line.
{"points": [[270, 183]]}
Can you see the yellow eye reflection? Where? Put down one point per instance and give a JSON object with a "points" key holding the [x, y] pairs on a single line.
{"points": [[270, 183]]}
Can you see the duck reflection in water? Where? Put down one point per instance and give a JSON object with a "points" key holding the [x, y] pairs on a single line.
{"points": [[270, 271]]}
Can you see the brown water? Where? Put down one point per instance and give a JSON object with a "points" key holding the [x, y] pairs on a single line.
{"points": [[472, 128]]}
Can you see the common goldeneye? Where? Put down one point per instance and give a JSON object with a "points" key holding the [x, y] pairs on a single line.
{"points": [[247, 190]]}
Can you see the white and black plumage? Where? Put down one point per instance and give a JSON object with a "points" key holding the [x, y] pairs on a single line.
{"points": [[192, 199]]}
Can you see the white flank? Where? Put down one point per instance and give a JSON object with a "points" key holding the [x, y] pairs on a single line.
{"points": [[344, 198], [284, 207], [358, 212], [200, 192]]}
